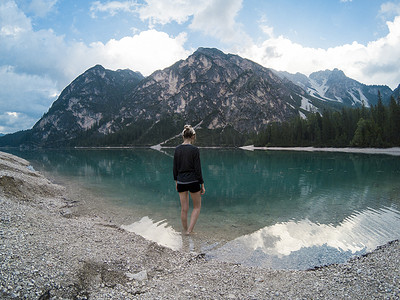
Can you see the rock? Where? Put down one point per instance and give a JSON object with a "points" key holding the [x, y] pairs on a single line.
{"points": [[66, 213], [45, 296], [141, 276]]}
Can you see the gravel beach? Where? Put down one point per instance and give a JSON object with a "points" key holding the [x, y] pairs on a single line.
{"points": [[51, 250]]}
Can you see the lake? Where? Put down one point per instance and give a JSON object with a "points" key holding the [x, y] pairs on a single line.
{"points": [[276, 209]]}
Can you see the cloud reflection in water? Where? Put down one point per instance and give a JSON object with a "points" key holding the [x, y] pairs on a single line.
{"points": [[304, 244]]}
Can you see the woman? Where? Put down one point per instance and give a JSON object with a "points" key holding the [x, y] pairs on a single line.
{"points": [[188, 177]]}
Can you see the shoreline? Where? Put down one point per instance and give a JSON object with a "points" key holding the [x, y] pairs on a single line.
{"points": [[389, 151], [50, 248], [395, 151]]}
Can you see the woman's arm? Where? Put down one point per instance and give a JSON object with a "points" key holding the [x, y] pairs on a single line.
{"points": [[197, 167], [175, 167]]}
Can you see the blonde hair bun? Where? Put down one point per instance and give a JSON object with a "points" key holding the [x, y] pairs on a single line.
{"points": [[188, 131]]}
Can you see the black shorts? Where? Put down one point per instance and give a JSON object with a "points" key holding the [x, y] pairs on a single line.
{"points": [[193, 187]]}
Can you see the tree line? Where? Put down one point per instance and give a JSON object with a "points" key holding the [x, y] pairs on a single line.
{"points": [[377, 126]]}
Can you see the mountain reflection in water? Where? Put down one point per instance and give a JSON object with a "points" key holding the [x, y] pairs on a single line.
{"points": [[304, 244]]}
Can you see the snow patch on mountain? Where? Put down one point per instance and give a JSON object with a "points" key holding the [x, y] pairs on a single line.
{"points": [[339, 99], [302, 115], [318, 90], [361, 99], [307, 105]]}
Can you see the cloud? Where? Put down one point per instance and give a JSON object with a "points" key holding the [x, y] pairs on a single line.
{"points": [[218, 20], [11, 122], [112, 7], [167, 11], [268, 30], [36, 65], [12, 20], [145, 52], [389, 10], [377, 62], [28, 51], [23, 98], [43, 52], [42, 7], [215, 18]]}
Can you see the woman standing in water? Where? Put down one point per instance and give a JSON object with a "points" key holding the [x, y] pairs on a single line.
{"points": [[188, 177]]}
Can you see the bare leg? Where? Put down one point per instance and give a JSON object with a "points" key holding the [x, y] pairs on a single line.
{"points": [[196, 197], [184, 197]]}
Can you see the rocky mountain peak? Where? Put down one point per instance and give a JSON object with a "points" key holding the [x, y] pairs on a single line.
{"points": [[338, 73], [95, 69], [209, 52], [322, 77], [215, 89]]}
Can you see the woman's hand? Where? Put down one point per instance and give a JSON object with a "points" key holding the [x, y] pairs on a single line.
{"points": [[203, 190]]}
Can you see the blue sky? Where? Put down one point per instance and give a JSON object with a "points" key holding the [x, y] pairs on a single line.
{"points": [[45, 44]]}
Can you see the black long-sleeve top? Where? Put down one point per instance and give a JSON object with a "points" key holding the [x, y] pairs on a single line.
{"points": [[187, 166]]}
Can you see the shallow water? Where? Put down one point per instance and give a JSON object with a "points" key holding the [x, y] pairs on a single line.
{"points": [[279, 209]]}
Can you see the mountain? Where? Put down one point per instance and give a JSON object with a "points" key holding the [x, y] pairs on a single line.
{"points": [[217, 90], [335, 86], [227, 97], [89, 101], [396, 93]]}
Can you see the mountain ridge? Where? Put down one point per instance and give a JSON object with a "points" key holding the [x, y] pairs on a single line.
{"points": [[229, 96], [335, 86]]}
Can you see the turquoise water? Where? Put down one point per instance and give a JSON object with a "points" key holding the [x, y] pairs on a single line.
{"points": [[280, 209]]}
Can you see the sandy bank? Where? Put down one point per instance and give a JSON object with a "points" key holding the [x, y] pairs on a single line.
{"points": [[49, 249]]}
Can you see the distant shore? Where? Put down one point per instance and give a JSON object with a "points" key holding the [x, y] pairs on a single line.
{"points": [[52, 248], [389, 151]]}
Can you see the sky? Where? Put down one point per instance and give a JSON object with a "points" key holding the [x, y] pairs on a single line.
{"points": [[46, 44]]}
